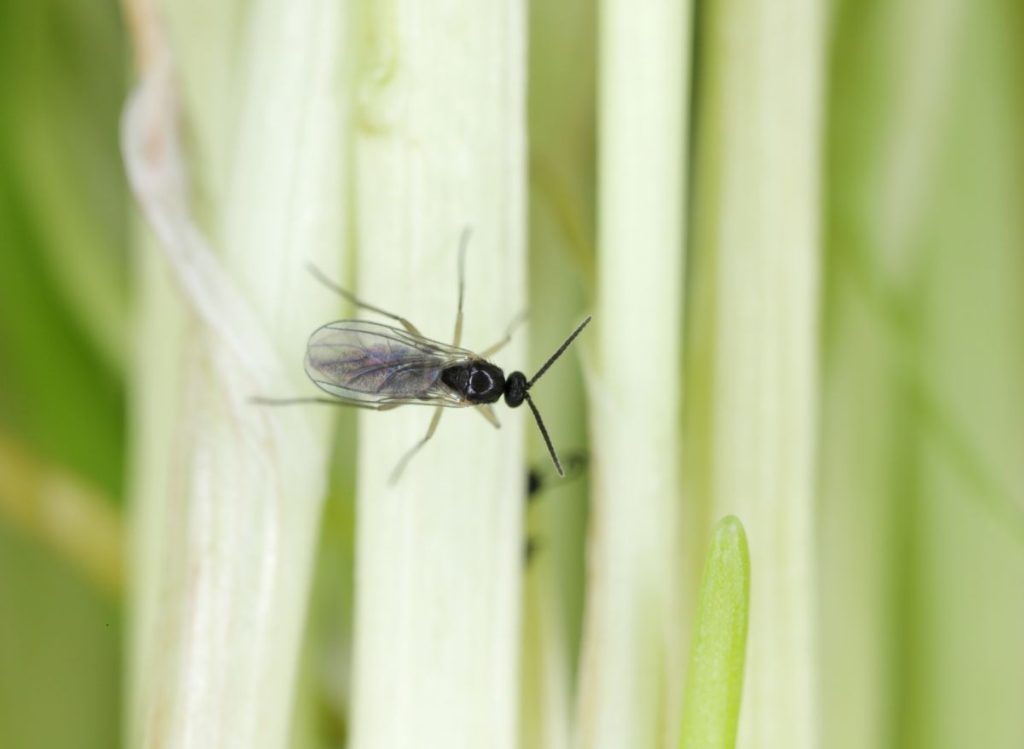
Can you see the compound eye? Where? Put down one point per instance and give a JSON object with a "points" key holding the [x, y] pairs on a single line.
{"points": [[479, 382]]}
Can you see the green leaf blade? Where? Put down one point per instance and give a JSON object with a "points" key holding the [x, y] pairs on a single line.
{"points": [[715, 680]]}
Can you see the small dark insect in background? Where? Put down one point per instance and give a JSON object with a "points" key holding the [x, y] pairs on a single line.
{"points": [[372, 365], [538, 481], [574, 466]]}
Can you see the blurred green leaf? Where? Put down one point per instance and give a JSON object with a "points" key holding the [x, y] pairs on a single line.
{"points": [[63, 320], [62, 313], [924, 413], [60, 646]]}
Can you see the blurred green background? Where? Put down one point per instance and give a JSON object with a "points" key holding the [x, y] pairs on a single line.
{"points": [[921, 455], [63, 337]]}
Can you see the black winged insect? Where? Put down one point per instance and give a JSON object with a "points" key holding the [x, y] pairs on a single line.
{"points": [[380, 367]]}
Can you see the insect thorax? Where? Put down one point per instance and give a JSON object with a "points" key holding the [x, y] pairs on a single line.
{"points": [[477, 381]]}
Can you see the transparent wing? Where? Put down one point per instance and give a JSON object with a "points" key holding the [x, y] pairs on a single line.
{"points": [[373, 365]]}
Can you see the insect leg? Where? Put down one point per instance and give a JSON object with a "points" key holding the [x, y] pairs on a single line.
{"points": [[260, 400], [490, 351], [395, 474], [488, 413], [463, 244], [349, 296]]}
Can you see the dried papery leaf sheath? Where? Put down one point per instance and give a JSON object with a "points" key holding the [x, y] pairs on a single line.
{"points": [[228, 494]]}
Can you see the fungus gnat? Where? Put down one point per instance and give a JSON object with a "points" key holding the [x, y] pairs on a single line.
{"points": [[380, 367]]}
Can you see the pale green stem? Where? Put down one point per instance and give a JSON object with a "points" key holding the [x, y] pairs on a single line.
{"points": [[632, 666], [439, 554], [757, 206], [227, 494]]}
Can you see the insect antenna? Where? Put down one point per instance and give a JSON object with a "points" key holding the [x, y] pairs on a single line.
{"points": [[544, 434], [561, 349], [529, 401]]}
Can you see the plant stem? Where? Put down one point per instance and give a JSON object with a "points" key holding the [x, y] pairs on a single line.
{"points": [[441, 146], [632, 665], [754, 369]]}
